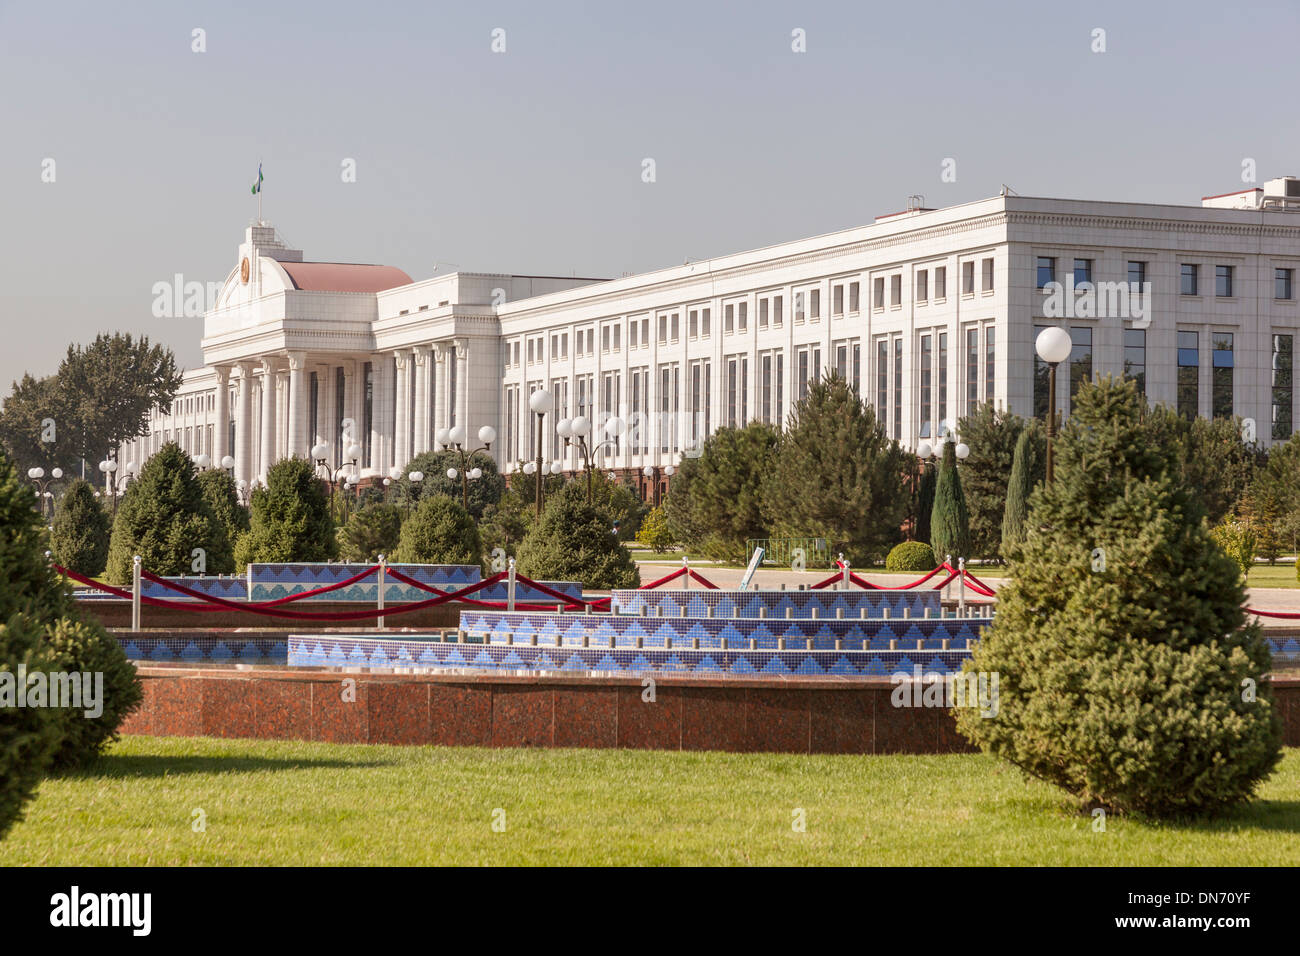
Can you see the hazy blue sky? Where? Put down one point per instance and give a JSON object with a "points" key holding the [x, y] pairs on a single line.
{"points": [[530, 161]]}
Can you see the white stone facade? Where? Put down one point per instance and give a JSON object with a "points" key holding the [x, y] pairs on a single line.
{"points": [[928, 312]]}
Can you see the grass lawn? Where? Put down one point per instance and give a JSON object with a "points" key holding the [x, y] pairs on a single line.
{"points": [[1274, 576], [311, 804]]}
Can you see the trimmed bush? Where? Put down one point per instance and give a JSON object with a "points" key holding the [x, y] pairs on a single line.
{"points": [[483, 492], [1127, 674], [654, 531], [575, 542], [81, 529], [290, 519], [1019, 487], [163, 518], [372, 530], [911, 556], [222, 497], [29, 736], [85, 648], [439, 532]]}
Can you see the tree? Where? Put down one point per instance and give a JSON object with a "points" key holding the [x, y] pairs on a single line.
{"points": [[836, 475], [100, 396], [29, 736], [619, 500], [654, 531], [726, 485], [1127, 675], [164, 519], [1237, 540], [81, 646], [505, 524], [1215, 459], [440, 531], [949, 522], [1271, 505], [218, 490], [925, 501], [991, 435], [81, 529], [1024, 470], [574, 541], [290, 518], [484, 492], [372, 530]]}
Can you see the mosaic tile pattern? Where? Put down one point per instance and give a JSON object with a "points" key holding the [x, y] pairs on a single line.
{"points": [[776, 604], [140, 647], [323, 650], [620, 631]]}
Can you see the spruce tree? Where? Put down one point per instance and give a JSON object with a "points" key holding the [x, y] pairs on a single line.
{"points": [[290, 518], [220, 493], [726, 489], [925, 502], [440, 531], [991, 435], [371, 530], [949, 522], [836, 475], [80, 531], [1127, 675], [163, 518], [1019, 486], [575, 541]]}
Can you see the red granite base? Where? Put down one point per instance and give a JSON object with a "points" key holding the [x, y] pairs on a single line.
{"points": [[790, 715]]}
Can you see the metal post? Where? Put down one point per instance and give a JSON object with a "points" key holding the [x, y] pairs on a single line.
{"points": [[510, 585], [1051, 418], [383, 567], [686, 563], [135, 593], [943, 595], [961, 583], [844, 578], [541, 418]]}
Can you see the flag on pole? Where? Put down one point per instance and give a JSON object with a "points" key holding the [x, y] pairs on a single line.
{"points": [[257, 186]]}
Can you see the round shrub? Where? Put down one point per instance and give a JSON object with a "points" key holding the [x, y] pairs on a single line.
{"points": [[83, 647], [219, 492], [575, 541], [439, 532], [371, 530], [79, 539], [290, 518], [911, 556], [29, 736]]}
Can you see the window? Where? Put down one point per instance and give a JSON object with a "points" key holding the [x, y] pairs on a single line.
{"points": [[645, 329], [1046, 271], [989, 362], [1042, 379], [878, 292], [988, 275], [1137, 275], [618, 337], [1223, 282], [1283, 352], [605, 334], [855, 296], [882, 381], [675, 326], [837, 300], [704, 323], [1189, 369], [742, 317], [926, 373], [1221, 374], [777, 305], [669, 383], [728, 319], [1187, 280], [842, 360], [814, 303], [941, 282], [1135, 357], [898, 388], [896, 289], [737, 388], [663, 329], [699, 402], [798, 307], [1080, 357], [765, 388], [972, 369], [943, 379], [923, 286], [631, 334], [762, 314], [801, 379], [693, 323], [968, 278], [1082, 271], [1282, 283]]}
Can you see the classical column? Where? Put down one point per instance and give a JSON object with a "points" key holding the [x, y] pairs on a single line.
{"points": [[268, 418], [381, 435], [298, 445], [401, 418], [462, 385], [440, 388], [422, 366], [244, 424], [222, 425]]}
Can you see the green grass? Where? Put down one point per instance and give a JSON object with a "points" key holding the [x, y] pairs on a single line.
{"points": [[1272, 576], [312, 804]]}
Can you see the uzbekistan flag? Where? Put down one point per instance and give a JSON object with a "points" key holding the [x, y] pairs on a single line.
{"points": [[257, 186]]}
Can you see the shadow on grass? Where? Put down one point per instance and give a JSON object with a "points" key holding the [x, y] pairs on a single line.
{"points": [[115, 765]]}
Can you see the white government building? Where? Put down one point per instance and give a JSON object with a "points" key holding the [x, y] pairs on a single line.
{"points": [[928, 311]]}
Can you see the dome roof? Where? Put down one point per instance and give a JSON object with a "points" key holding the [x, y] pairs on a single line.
{"points": [[343, 276]]}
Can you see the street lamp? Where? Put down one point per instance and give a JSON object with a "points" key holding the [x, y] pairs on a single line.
{"points": [[37, 475], [241, 491], [203, 460], [456, 437], [652, 472], [577, 429], [540, 402], [228, 465], [108, 467], [1053, 346], [322, 469]]}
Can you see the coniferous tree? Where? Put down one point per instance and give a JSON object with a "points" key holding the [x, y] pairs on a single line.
{"points": [[440, 531], [1127, 675], [991, 435], [726, 483], [1019, 487], [163, 518], [371, 530], [80, 531], [925, 501], [836, 475], [575, 541], [483, 492], [949, 521], [219, 491], [289, 520]]}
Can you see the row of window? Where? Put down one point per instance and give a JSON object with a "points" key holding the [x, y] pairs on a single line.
{"points": [[1189, 277]]}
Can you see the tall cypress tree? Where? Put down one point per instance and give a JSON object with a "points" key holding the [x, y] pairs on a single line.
{"points": [[1127, 675], [949, 522], [1019, 487], [925, 501]]}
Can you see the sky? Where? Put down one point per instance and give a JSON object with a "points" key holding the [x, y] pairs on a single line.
{"points": [[531, 160]]}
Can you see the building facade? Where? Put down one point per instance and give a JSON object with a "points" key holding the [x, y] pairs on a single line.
{"points": [[929, 312]]}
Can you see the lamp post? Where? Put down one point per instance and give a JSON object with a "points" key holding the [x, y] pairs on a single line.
{"points": [[241, 492], [576, 429], [322, 470], [1053, 346], [109, 469], [203, 460], [37, 475], [416, 478], [540, 402], [455, 437], [652, 472]]}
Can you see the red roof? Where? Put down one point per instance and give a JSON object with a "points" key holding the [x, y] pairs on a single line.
{"points": [[344, 276]]}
